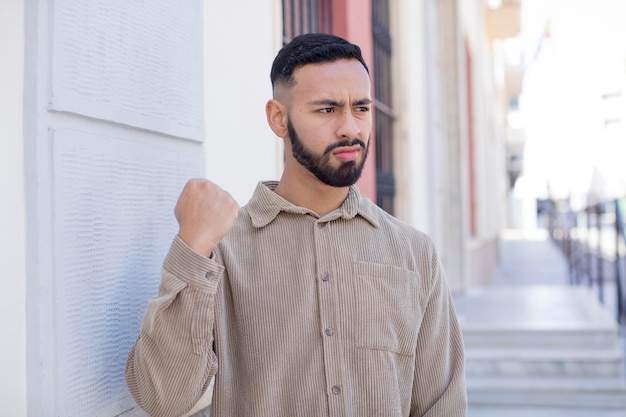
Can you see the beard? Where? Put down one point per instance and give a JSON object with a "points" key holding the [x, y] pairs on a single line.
{"points": [[345, 175]]}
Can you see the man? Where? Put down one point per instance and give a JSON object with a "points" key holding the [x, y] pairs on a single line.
{"points": [[311, 300]]}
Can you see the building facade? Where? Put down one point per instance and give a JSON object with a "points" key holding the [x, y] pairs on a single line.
{"points": [[108, 107]]}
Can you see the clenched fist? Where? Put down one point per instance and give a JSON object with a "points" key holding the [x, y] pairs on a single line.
{"points": [[205, 214]]}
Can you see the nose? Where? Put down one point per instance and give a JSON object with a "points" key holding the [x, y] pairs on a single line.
{"points": [[349, 127]]}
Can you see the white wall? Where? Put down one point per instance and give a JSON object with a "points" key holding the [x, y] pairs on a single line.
{"points": [[113, 129], [412, 149], [241, 39], [12, 223], [447, 138], [489, 156], [489, 148], [434, 117]]}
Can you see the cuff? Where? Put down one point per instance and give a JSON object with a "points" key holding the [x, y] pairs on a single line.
{"points": [[191, 267]]}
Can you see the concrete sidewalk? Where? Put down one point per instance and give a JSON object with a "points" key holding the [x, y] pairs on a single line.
{"points": [[536, 346], [530, 258]]}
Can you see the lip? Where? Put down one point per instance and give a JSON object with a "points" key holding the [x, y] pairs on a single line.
{"points": [[347, 153]]}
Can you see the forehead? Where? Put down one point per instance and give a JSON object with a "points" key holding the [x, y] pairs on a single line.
{"points": [[345, 76]]}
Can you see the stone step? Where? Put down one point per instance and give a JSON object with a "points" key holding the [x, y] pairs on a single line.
{"points": [[545, 362], [535, 317], [592, 338], [545, 346], [546, 411], [557, 392]]}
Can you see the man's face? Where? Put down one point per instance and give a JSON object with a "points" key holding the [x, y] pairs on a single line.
{"points": [[344, 175], [330, 122]]}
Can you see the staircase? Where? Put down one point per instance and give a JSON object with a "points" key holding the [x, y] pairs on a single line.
{"points": [[541, 346]]}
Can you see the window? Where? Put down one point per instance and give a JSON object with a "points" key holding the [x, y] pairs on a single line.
{"points": [[384, 115], [306, 16]]}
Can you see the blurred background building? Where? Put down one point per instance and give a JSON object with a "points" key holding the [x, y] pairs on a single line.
{"points": [[109, 106]]}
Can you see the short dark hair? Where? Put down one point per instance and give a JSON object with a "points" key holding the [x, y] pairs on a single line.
{"points": [[311, 48]]}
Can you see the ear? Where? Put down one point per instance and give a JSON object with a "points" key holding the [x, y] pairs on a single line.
{"points": [[276, 113]]}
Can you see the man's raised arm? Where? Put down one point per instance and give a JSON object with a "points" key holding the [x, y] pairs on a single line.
{"points": [[172, 362]]}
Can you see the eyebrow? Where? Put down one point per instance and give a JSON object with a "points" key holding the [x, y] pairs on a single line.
{"points": [[335, 103]]}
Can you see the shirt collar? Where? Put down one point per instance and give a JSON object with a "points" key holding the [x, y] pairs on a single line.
{"points": [[265, 205]]}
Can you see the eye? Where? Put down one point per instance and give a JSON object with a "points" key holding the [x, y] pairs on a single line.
{"points": [[364, 109], [326, 110]]}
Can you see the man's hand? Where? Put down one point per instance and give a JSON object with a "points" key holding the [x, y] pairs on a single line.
{"points": [[205, 214]]}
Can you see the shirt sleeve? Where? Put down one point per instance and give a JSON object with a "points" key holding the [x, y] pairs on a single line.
{"points": [[439, 388], [172, 362]]}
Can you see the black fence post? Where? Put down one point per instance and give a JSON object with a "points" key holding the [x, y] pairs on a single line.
{"points": [[620, 237], [600, 255], [588, 254]]}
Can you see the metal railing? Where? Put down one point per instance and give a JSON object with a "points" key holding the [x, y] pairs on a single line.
{"points": [[594, 242]]}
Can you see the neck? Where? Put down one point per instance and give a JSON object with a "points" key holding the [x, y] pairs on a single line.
{"points": [[311, 193]]}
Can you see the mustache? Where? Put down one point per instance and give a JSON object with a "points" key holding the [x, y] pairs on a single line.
{"points": [[343, 143]]}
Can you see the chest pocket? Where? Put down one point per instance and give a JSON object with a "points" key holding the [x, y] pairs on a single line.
{"points": [[388, 311]]}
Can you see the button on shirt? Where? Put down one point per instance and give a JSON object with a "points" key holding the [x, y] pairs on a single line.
{"points": [[347, 315]]}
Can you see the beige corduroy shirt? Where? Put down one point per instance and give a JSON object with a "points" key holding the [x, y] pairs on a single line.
{"points": [[347, 315]]}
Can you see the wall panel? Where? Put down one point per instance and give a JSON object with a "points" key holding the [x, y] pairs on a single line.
{"points": [[113, 217], [114, 125], [131, 62]]}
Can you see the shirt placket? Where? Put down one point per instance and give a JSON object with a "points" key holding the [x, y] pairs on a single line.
{"points": [[329, 319]]}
